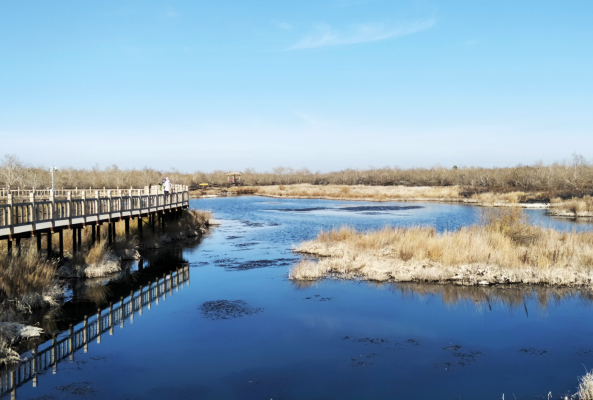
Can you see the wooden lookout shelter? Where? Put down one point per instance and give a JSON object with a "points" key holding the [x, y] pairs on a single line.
{"points": [[233, 177]]}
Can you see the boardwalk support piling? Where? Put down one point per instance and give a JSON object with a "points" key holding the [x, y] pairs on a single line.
{"points": [[61, 240]]}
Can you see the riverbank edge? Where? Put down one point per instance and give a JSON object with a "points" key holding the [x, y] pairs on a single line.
{"points": [[412, 199], [393, 271]]}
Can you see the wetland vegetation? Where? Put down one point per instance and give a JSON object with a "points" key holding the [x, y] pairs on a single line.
{"points": [[504, 248]]}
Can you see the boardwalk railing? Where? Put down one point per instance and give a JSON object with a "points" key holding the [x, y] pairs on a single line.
{"points": [[56, 350], [77, 192], [35, 215]]}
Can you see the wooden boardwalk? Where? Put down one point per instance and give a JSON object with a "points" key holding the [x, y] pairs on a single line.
{"points": [[19, 220], [49, 354]]}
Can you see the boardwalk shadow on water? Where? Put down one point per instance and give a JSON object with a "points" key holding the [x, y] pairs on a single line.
{"points": [[166, 273]]}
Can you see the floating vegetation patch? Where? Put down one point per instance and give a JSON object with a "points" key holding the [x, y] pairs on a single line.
{"points": [[533, 352], [79, 389], [232, 264], [227, 309], [198, 263], [252, 224], [234, 237], [318, 298]]}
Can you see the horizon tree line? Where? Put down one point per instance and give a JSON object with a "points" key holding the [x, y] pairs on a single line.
{"points": [[573, 176]]}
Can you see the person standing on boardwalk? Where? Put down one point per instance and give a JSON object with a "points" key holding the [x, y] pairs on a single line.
{"points": [[167, 186]]}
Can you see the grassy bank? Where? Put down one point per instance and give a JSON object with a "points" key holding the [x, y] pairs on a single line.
{"points": [[576, 207], [454, 194], [503, 249]]}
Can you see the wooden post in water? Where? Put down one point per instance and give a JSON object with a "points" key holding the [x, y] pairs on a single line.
{"points": [[140, 226], [38, 235], [110, 319], [13, 384], [61, 240], [49, 245], [9, 247], [98, 232], [98, 325], [109, 233], [54, 354], [85, 333], [18, 246], [131, 306], [121, 312], [71, 341], [140, 300], [93, 229], [34, 365], [127, 227], [80, 239], [74, 247]]}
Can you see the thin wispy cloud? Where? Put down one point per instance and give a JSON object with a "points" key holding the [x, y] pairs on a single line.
{"points": [[325, 36], [282, 25], [472, 42]]}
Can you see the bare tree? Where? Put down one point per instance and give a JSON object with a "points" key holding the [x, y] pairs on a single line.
{"points": [[11, 170]]}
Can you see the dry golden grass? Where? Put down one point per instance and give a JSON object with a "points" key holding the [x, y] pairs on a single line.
{"points": [[359, 192], [575, 207], [391, 193], [585, 390], [26, 274], [503, 249]]}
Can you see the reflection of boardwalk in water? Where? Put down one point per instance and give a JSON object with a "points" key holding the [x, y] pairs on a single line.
{"points": [[58, 350]]}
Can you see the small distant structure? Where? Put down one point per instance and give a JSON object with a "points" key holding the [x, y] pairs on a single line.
{"points": [[234, 177]]}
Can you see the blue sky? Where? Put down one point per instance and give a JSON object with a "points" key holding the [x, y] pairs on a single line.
{"points": [[324, 84]]}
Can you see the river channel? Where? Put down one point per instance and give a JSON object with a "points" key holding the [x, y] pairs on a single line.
{"points": [[239, 329]]}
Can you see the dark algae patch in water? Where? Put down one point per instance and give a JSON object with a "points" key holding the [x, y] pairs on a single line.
{"points": [[227, 309]]}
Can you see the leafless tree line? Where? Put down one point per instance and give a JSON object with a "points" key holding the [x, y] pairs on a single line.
{"points": [[574, 176]]}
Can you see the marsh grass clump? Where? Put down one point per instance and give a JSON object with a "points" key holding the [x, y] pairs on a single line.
{"points": [[585, 389], [574, 207], [28, 280], [504, 248]]}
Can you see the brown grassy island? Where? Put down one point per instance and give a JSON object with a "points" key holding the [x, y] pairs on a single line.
{"points": [[503, 249]]}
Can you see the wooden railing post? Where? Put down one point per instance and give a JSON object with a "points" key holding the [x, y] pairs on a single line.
{"points": [[69, 207], [52, 206], [33, 209], [98, 200], [10, 218], [83, 196]]}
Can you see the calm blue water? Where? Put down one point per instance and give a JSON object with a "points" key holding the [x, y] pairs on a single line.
{"points": [[331, 339]]}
